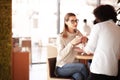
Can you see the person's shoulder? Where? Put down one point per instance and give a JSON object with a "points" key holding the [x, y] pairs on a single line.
{"points": [[97, 27], [118, 27], [78, 32], [105, 22]]}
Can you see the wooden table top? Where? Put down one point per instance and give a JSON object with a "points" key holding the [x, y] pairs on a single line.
{"points": [[85, 57]]}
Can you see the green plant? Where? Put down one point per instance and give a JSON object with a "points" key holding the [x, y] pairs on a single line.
{"points": [[5, 40]]}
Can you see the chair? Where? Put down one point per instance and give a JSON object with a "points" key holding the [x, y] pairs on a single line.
{"points": [[51, 51], [51, 70], [26, 44]]}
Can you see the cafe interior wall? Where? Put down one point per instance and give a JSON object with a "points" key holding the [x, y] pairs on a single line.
{"points": [[5, 40]]}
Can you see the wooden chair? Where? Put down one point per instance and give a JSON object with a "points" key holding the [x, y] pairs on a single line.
{"points": [[26, 44], [51, 70], [51, 51]]}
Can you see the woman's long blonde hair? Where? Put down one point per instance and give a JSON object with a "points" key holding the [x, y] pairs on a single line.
{"points": [[65, 29]]}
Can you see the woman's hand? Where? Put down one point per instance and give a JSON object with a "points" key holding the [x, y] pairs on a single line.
{"points": [[76, 40], [84, 39]]}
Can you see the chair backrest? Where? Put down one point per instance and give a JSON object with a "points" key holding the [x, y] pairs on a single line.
{"points": [[51, 51], [51, 64], [26, 43]]}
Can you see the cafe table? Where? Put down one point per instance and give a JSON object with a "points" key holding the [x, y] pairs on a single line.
{"points": [[83, 58]]}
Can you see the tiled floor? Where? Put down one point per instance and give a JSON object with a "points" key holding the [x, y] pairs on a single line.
{"points": [[39, 54], [38, 72], [38, 69]]}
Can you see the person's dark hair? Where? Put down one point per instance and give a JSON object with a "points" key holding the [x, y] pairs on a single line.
{"points": [[104, 13], [66, 18], [95, 21]]}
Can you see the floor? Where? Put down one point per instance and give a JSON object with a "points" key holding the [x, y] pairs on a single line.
{"points": [[38, 72], [38, 68]]}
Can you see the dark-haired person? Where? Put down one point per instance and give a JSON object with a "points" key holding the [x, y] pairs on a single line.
{"points": [[104, 43], [67, 65]]}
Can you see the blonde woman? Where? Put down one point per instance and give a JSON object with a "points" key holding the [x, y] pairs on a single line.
{"points": [[67, 65]]}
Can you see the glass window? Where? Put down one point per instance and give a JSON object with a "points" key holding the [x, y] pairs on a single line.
{"points": [[38, 19], [34, 18], [82, 8]]}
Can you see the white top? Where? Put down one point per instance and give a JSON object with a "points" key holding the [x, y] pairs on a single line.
{"points": [[104, 42], [66, 54]]}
